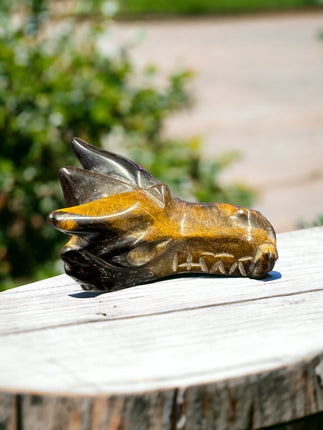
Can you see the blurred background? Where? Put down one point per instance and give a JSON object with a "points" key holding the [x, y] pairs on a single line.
{"points": [[222, 100]]}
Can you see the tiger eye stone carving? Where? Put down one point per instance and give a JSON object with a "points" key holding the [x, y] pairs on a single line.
{"points": [[126, 228]]}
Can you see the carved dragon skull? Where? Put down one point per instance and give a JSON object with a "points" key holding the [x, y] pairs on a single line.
{"points": [[126, 228]]}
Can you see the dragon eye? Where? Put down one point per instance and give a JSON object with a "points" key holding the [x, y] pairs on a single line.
{"points": [[241, 217], [250, 218], [241, 213]]}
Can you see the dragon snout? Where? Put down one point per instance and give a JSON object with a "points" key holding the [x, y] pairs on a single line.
{"points": [[261, 233]]}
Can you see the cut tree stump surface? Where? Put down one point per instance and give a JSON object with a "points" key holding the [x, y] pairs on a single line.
{"points": [[184, 353]]}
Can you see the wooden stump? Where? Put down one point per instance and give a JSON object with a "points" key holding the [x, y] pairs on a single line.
{"points": [[193, 353]]}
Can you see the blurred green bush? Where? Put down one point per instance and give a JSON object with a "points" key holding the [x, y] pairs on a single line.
{"points": [[316, 222], [130, 8], [56, 83]]}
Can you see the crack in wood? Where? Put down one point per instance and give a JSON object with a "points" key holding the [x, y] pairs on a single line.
{"points": [[170, 311], [19, 411]]}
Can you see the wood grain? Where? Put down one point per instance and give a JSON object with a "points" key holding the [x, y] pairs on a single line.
{"points": [[185, 353]]}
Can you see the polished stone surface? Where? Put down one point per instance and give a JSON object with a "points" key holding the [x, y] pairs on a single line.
{"points": [[128, 229]]}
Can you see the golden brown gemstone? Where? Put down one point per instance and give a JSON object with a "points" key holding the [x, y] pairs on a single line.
{"points": [[126, 228]]}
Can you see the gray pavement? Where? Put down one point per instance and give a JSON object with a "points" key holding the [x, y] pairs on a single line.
{"points": [[258, 89]]}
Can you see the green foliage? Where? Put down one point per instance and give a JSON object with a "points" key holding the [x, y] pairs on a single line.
{"points": [[56, 83], [317, 222], [142, 7]]}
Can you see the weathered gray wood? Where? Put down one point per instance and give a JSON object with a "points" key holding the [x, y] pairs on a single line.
{"points": [[8, 410], [194, 353]]}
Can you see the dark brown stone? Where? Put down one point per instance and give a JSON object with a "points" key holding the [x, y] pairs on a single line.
{"points": [[126, 228]]}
